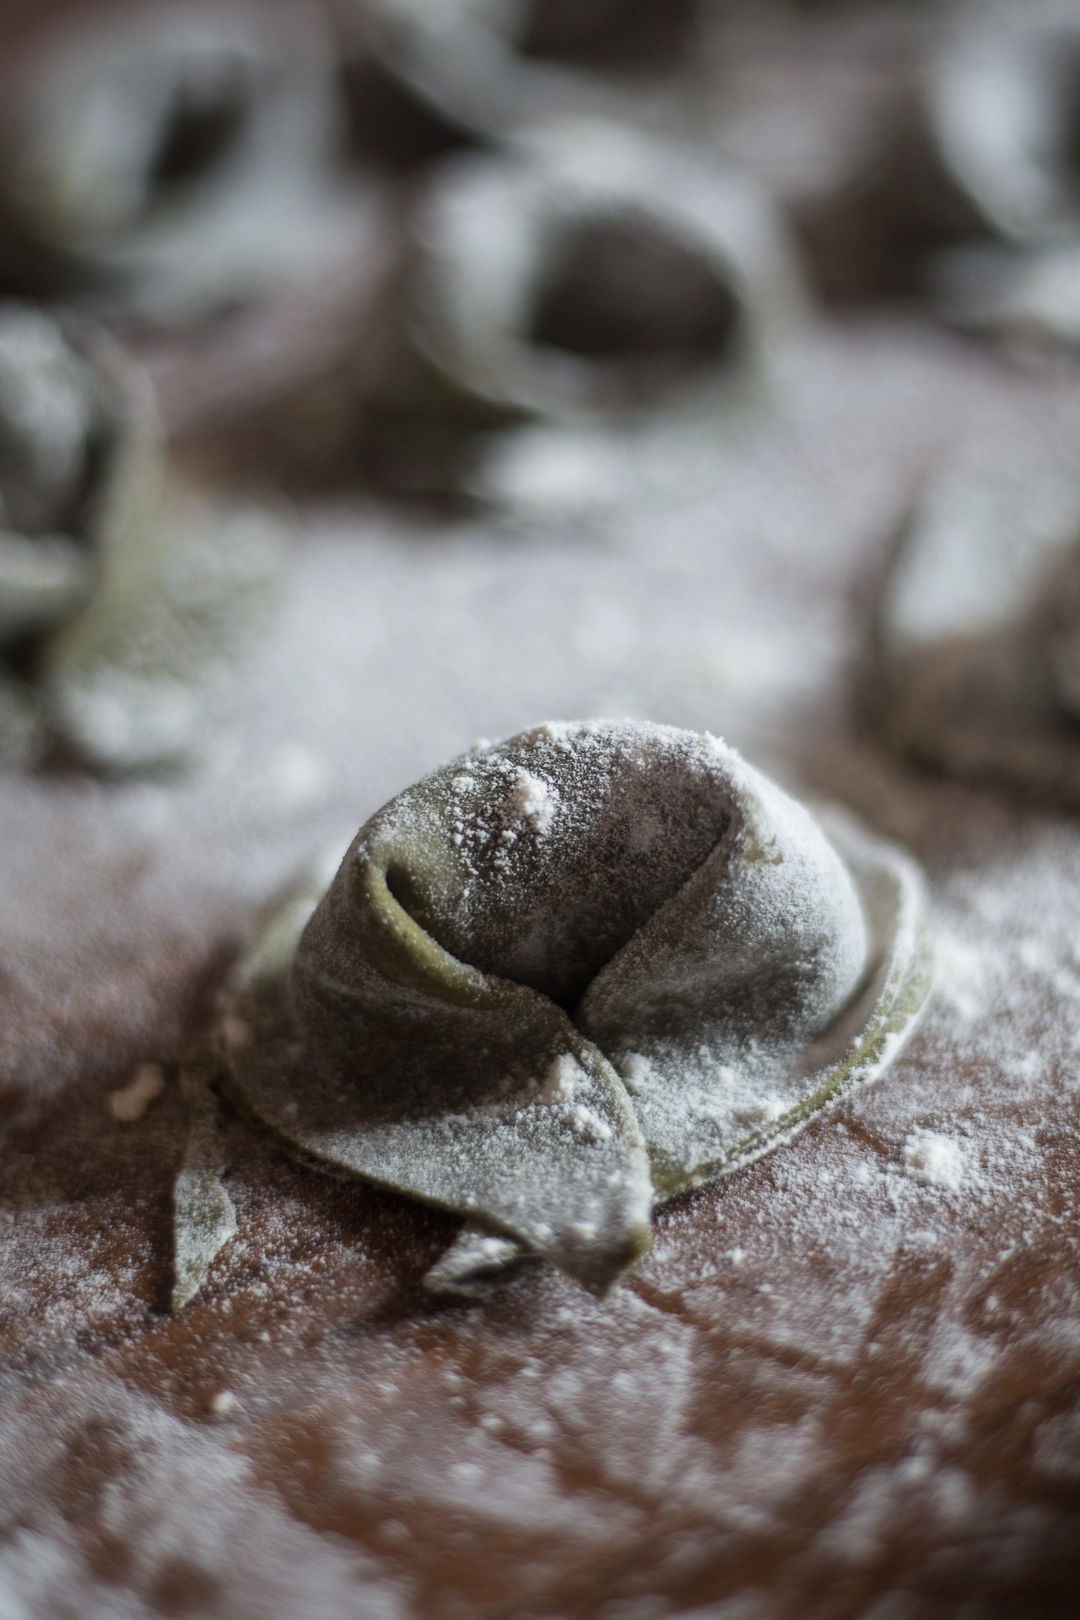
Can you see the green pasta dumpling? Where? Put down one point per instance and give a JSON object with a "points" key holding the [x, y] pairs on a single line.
{"points": [[485, 65], [567, 976], [173, 163], [974, 656], [125, 595]]}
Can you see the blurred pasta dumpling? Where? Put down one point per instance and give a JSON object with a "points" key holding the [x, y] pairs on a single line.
{"points": [[568, 976], [54, 425], [1004, 101], [123, 597], [976, 651], [587, 276], [490, 65], [179, 159], [1005, 106], [972, 190], [592, 269]]}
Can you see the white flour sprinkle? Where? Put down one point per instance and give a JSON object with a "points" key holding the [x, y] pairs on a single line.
{"points": [[534, 800], [562, 1080], [588, 1125], [734, 1395], [934, 1160]]}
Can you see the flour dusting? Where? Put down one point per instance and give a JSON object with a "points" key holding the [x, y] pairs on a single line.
{"points": [[534, 800], [935, 1160], [725, 1410]]}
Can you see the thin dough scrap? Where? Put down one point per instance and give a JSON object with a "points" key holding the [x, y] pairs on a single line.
{"points": [[204, 1218]]}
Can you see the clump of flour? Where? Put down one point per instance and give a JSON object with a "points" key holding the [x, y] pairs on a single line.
{"points": [[934, 1160], [532, 799], [562, 1080]]}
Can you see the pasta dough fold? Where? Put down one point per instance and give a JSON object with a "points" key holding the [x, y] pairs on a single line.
{"points": [[125, 596], [568, 975]]}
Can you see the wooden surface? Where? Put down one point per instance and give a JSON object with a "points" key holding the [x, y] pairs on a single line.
{"points": [[837, 1389]]}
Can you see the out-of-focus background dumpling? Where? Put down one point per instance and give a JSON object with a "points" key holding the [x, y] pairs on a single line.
{"points": [[961, 186], [180, 157], [1004, 104], [125, 597], [55, 427], [583, 274], [183, 171], [487, 65], [590, 269]]}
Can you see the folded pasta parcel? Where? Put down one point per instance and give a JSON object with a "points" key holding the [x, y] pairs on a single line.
{"points": [[127, 595], [171, 162], [569, 976], [973, 663]]}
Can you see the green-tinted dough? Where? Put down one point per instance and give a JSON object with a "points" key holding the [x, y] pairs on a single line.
{"points": [[56, 431], [204, 1217], [172, 162], [487, 67], [583, 276], [567, 976], [976, 654], [124, 598], [590, 272]]}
